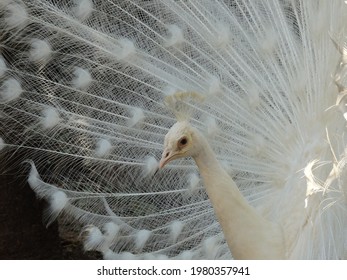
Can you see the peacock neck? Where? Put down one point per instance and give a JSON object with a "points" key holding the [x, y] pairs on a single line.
{"points": [[249, 236]]}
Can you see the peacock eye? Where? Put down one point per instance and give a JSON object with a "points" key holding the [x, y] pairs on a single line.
{"points": [[183, 141]]}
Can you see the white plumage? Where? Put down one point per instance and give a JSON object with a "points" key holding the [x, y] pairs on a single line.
{"points": [[40, 51], [89, 89], [3, 66], [15, 14], [10, 90], [248, 234]]}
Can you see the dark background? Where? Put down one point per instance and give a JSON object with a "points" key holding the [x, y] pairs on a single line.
{"points": [[23, 235]]}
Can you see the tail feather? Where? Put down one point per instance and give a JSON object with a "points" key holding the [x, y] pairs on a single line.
{"points": [[83, 86]]}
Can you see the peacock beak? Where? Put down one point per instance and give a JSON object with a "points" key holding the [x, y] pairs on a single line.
{"points": [[166, 157]]}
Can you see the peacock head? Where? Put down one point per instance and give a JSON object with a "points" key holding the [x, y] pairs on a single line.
{"points": [[179, 142]]}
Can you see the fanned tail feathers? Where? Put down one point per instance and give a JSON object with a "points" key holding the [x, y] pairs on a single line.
{"points": [[88, 90]]}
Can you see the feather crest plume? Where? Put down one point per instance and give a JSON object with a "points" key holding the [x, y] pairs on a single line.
{"points": [[178, 103]]}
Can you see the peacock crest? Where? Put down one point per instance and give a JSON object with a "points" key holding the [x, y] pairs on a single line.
{"points": [[177, 103]]}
